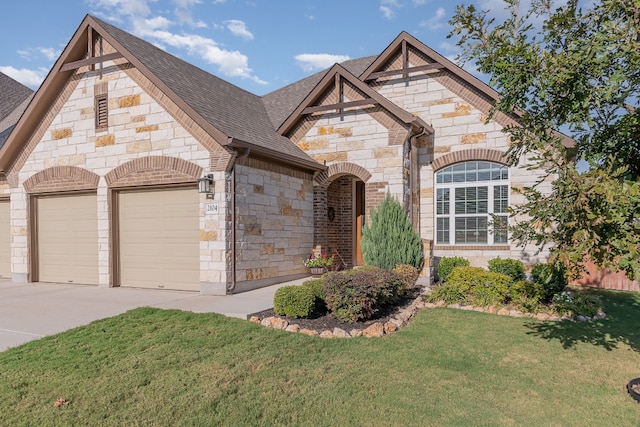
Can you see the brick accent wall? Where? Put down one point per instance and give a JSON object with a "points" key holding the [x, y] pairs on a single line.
{"points": [[340, 235], [61, 178], [153, 170]]}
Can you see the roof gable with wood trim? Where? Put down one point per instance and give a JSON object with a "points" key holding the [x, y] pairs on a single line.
{"points": [[337, 91], [238, 121]]}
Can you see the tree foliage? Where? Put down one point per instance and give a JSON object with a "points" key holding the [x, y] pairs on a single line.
{"points": [[575, 67], [391, 239]]}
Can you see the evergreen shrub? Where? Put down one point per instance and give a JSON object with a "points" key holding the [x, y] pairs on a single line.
{"points": [[391, 239]]}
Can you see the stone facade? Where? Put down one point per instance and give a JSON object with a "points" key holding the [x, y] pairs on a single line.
{"points": [[274, 223], [143, 145]]}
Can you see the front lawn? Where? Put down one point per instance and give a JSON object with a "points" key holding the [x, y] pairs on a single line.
{"points": [[448, 367]]}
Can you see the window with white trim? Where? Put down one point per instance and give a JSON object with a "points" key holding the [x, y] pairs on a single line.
{"points": [[466, 196]]}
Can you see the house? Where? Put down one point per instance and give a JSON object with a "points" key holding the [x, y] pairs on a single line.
{"points": [[102, 169], [13, 101]]}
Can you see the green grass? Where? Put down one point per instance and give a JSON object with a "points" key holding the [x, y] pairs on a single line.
{"points": [[448, 367]]}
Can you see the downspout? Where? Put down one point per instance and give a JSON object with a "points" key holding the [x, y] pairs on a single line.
{"points": [[232, 286]]}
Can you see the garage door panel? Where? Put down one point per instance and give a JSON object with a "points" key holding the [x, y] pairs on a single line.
{"points": [[159, 239], [5, 240], [68, 239]]}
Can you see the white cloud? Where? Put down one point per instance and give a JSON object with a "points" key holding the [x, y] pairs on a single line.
{"points": [[387, 7], [239, 28], [124, 7], [48, 53], [420, 2], [435, 22], [158, 30], [318, 61], [28, 77]]}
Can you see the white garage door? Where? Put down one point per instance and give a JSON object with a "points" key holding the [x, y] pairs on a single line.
{"points": [[5, 240], [160, 239], [68, 239]]}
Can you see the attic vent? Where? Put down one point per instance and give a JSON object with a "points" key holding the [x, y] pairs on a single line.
{"points": [[101, 106]]}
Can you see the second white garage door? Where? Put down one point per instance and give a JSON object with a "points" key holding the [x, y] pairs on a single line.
{"points": [[160, 239], [5, 240], [68, 239]]}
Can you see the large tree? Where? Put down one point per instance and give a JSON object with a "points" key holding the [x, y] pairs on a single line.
{"points": [[573, 67]]}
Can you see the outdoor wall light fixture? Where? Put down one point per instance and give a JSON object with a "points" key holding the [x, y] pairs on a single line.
{"points": [[205, 185]]}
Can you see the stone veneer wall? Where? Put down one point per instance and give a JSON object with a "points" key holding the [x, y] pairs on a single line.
{"points": [[373, 141], [458, 126], [274, 220], [141, 123]]}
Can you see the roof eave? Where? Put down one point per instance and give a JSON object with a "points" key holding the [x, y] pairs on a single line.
{"points": [[310, 164]]}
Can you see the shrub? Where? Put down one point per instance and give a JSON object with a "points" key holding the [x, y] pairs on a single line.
{"points": [[527, 295], [552, 278], [447, 264], [574, 304], [358, 294], [317, 288], [409, 275], [391, 239], [294, 301], [511, 267], [449, 293], [473, 285], [489, 289]]}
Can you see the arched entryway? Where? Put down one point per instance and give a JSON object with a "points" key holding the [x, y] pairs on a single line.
{"points": [[340, 212]]}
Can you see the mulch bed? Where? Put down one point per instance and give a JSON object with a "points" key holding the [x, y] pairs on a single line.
{"points": [[325, 321]]}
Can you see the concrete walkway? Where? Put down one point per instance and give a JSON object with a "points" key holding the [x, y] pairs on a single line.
{"points": [[34, 310]]}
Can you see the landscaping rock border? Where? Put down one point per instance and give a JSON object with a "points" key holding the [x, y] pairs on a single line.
{"points": [[506, 311], [376, 329], [379, 329]]}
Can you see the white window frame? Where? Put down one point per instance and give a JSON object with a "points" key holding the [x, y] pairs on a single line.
{"points": [[490, 184]]}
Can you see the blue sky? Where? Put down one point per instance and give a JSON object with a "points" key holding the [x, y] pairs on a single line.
{"points": [[259, 45]]}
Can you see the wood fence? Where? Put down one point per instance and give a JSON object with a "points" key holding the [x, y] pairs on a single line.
{"points": [[606, 279]]}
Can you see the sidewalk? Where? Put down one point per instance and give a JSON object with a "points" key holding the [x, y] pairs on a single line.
{"points": [[34, 310]]}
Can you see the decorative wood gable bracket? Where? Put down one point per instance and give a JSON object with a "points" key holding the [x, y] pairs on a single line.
{"points": [[91, 60], [402, 47], [338, 78]]}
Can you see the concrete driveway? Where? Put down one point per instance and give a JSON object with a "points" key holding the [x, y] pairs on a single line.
{"points": [[34, 310]]}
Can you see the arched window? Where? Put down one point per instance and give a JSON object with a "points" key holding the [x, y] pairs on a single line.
{"points": [[467, 194]]}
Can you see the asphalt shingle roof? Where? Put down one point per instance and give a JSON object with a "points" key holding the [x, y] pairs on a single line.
{"points": [[12, 94], [234, 111]]}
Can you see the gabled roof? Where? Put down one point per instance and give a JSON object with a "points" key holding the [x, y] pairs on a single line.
{"points": [[232, 116], [404, 41], [280, 103], [12, 94], [336, 75]]}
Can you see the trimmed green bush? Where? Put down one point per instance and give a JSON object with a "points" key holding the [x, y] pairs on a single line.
{"points": [[511, 267], [358, 294], [317, 288], [294, 301], [552, 278], [391, 239], [409, 275], [473, 285], [447, 264]]}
